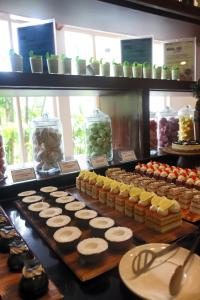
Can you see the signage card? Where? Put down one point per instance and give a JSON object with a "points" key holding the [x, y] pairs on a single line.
{"points": [[99, 161], [127, 155], [69, 166], [23, 174]]}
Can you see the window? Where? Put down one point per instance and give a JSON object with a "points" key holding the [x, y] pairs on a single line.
{"points": [[16, 114]]}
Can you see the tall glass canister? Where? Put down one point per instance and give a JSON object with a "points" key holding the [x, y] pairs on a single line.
{"points": [[167, 127], [98, 135], [186, 123], [47, 144]]}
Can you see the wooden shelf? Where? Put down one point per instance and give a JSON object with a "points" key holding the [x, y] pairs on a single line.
{"points": [[168, 8], [24, 81]]}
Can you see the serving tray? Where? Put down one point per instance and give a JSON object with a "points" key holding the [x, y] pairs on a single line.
{"points": [[86, 272]]}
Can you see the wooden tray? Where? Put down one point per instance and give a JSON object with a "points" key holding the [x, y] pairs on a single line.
{"points": [[82, 271], [10, 282], [140, 231], [191, 217]]}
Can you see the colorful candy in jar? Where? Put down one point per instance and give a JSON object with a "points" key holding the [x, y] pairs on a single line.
{"points": [[168, 131]]}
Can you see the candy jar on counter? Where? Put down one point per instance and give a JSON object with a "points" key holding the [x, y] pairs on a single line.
{"points": [[98, 135], [167, 127], [2, 158], [153, 131], [47, 144], [186, 123]]}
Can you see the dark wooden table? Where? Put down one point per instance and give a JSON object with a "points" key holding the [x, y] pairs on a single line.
{"points": [[107, 286]]}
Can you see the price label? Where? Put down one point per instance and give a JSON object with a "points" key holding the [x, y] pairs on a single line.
{"points": [[127, 155], [69, 166], [23, 174], [99, 161]]}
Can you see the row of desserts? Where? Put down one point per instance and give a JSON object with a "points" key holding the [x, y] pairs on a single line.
{"points": [[132, 201], [187, 198], [67, 221], [34, 279], [187, 177]]}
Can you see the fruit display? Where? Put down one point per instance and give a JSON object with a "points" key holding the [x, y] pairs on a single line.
{"points": [[2, 159], [167, 127], [47, 144], [99, 135]]}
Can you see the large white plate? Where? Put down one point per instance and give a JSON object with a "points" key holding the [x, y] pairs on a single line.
{"points": [[154, 284]]}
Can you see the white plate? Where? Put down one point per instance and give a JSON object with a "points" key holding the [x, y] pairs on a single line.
{"points": [[32, 199], [38, 206], [50, 212], [154, 284], [67, 234]]}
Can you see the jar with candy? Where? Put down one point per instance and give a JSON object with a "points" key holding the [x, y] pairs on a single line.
{"points": [[98, 135], [167, 127], [2, 158], [153, 131], [47, 144], [186, 123]]}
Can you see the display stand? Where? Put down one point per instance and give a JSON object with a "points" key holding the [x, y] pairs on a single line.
{"points": [[186, 159]]}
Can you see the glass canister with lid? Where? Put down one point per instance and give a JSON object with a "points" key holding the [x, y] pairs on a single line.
{"points": [[153, 131], [167, 127], [2, 158], [186, 123], [98, 135], [47, 144]]}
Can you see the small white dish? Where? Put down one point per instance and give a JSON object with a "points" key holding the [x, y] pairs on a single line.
{"points": [[50, 212], [32, 199], [101, 222], [92, 246], [39, 206]]}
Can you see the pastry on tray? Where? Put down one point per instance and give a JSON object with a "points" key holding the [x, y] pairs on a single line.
{"points": [[99, 225], [119, 238], [83, 216], [163, 215], [122, 197], [112, 194], [185, 199], [195, 205], [67, 238], [142, 205], [26, 193], [34, 280], [19, 253], [132, 200], [3, 220], [92, 250]]}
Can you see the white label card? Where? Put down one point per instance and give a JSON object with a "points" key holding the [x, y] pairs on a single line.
{"points": [[23, 174], [99, 161], [69, 166], [127, 155]]}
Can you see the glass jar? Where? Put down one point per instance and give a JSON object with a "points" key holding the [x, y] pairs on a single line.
{"points": [[153, 131], [47, 144], [2, 158], [98, 135], [167, 127], [186, 123]]}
